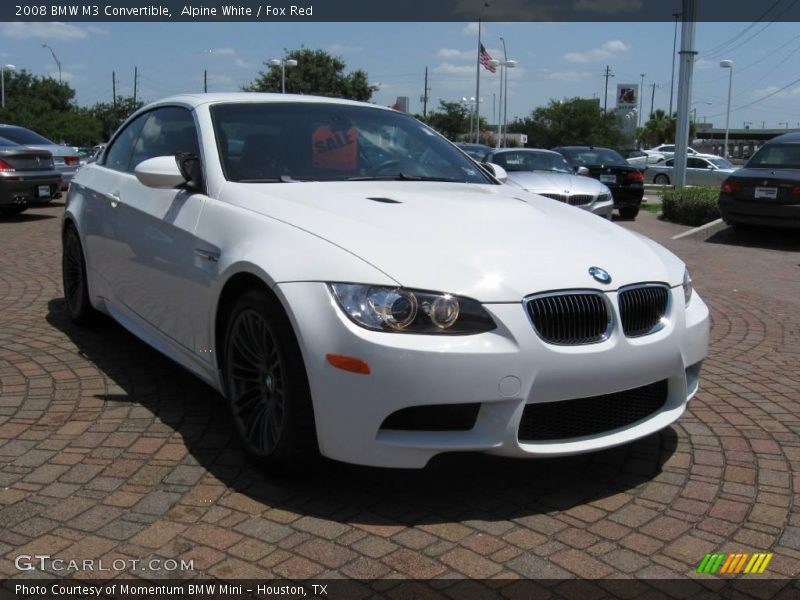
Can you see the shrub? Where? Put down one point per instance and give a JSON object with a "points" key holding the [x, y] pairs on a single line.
{"points": [[691, 206]]}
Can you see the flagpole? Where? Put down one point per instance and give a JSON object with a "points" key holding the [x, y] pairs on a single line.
{"points": [[478, 87]]}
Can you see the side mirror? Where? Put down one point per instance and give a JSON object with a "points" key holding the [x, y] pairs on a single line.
{"points": [[159, 172], [581, 171], [498, 171]]}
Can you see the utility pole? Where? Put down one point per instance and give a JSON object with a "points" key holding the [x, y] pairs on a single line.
{"points": [[425, 91], [135, 82], [114, 88], [205, 80], [653, 87], [674, 43], [685, 75], [641, 89], [607, 74]]}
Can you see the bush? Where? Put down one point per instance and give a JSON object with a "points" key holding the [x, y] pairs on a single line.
{"points": [[691, 206]]}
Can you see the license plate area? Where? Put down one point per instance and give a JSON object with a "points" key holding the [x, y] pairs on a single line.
{"points": [[44, 191], [608, 178], [766, 192]]}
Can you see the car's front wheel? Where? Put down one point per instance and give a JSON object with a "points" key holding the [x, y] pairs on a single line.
{"points": [[266, 385], [73, 276]]}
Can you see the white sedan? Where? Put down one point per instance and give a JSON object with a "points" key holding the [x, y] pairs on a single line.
{"points": [[353, 284]]}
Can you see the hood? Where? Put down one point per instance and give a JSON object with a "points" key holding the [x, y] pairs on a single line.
{"points": [[491, 243], [542, 182]]}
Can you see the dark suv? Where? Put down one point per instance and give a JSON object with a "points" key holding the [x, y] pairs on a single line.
{"points": [[767, 190], [625, 181]]}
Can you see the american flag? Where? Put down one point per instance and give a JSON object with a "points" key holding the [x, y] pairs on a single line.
{"points": [[485, 57]]}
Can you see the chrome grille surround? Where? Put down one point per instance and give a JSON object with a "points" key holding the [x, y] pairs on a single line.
{"points": [[643, 308], [570, 317]]}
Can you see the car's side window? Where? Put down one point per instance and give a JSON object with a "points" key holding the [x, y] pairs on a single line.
{"points": [[118, 155], [695, 163], [166, 132]]}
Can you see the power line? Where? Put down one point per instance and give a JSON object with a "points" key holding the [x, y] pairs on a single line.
{"points": [[749, 104], [736, 37]]}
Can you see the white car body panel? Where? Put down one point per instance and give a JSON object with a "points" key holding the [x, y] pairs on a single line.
{"points": [[158, 261]]}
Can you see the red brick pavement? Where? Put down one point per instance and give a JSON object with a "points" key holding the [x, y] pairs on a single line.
{"points": [[108, 450]]}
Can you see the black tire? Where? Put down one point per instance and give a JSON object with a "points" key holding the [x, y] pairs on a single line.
{"points": [[661, 179], [266, 385], [629, 212], [73, 277], [13, 210]]}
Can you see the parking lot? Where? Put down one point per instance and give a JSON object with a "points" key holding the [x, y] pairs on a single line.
{"points": [[109, 450]]}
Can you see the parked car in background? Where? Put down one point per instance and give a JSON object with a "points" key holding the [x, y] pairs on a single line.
{"points": [[766, 191], [606, 165], [548, 174], [84, 154], [355, 285], [699, 171], [642, 158], [27, 177], [476, 151], [668, 151], [66, 159]]}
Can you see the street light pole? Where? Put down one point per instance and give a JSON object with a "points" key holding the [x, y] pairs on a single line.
{"points": [[283, 63], [3, 83], [55, 58], [674, 44], [728, 64]]}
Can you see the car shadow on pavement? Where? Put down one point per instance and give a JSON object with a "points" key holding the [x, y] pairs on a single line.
{"points": [[459, 487], [25, 217], [767, 238]]}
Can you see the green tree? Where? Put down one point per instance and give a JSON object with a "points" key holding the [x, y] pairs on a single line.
{"points": [[318, 73], [452, 119], [110, 117], [578, 121], [660, 129]]}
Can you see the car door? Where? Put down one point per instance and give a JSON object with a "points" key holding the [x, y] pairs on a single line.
{"points": [[99, 185], [165, 282], [697, 172]]}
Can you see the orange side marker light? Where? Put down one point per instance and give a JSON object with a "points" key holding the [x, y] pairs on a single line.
{"points": [[348, 363]]}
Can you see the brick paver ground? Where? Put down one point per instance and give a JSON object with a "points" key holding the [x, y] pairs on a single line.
{"points": [[108, 450]]}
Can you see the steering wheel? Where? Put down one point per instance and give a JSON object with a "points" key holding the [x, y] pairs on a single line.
{"points": [[383, 166]]}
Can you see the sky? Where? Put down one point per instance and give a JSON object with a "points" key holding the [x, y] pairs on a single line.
{"points": [[555, 61]]}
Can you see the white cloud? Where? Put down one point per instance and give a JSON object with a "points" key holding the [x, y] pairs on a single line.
{"points": [[222, 52], [470, 29], [567, 76], [98, 30], [46, 31], [450, 53], [337, 48], [470, 55], [447, 68], [703, 64], [773, 89], [608, 50], [230, 54], [243, 64]]}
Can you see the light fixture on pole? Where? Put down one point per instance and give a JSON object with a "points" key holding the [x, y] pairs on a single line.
{"points": [[283, 63], [469, 103], [728, 64], [55, 58], [3, 83]]}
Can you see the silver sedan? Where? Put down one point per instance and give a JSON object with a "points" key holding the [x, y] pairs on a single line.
{"points": [[548, 174], [711, 171]]}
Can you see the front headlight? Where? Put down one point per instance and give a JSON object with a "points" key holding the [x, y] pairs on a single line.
{"points": [[687, 286], [410, 311]]}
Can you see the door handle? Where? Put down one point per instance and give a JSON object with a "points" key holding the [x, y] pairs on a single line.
{"points": [[115, 199]]}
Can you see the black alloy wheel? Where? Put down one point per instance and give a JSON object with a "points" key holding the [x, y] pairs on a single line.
{"points": [[73, 274]]}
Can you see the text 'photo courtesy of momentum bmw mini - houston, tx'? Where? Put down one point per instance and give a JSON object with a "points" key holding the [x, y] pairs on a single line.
{"points": [[355, 285]]}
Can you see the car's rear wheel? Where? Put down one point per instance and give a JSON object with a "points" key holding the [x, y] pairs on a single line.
{"points": [[266, 385], [661, 179], [73, 274], [629, 212]]}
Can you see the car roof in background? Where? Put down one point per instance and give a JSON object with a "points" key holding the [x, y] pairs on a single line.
{"points": [[542, 150], [790, 138], [195, 100]]}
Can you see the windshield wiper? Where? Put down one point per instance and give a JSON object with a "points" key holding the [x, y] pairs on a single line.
{"points": [[281, 179], [402, 177]]}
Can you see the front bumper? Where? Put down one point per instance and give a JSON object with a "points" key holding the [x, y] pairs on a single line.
{"points": [[759, 212], [502, 370]]}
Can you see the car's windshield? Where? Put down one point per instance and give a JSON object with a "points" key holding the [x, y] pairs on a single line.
{"points": [[776, 156], [594, 156], [476, 151], [23, 136], [316, 141], [721, 163], [528, 160]]}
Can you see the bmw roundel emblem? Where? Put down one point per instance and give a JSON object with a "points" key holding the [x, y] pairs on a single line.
{"points": [[600, 275]]}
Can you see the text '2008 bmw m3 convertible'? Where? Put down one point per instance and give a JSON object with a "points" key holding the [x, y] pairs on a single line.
{"points": [[353, 284]]}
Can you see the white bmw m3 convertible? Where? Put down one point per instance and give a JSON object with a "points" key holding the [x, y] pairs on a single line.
{"points": [[354, 285]]}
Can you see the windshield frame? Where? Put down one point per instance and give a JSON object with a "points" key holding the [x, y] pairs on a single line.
{"points": [[457, 154]]}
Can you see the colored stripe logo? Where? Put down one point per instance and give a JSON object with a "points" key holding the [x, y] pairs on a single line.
{"points": [[734, 563]]}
